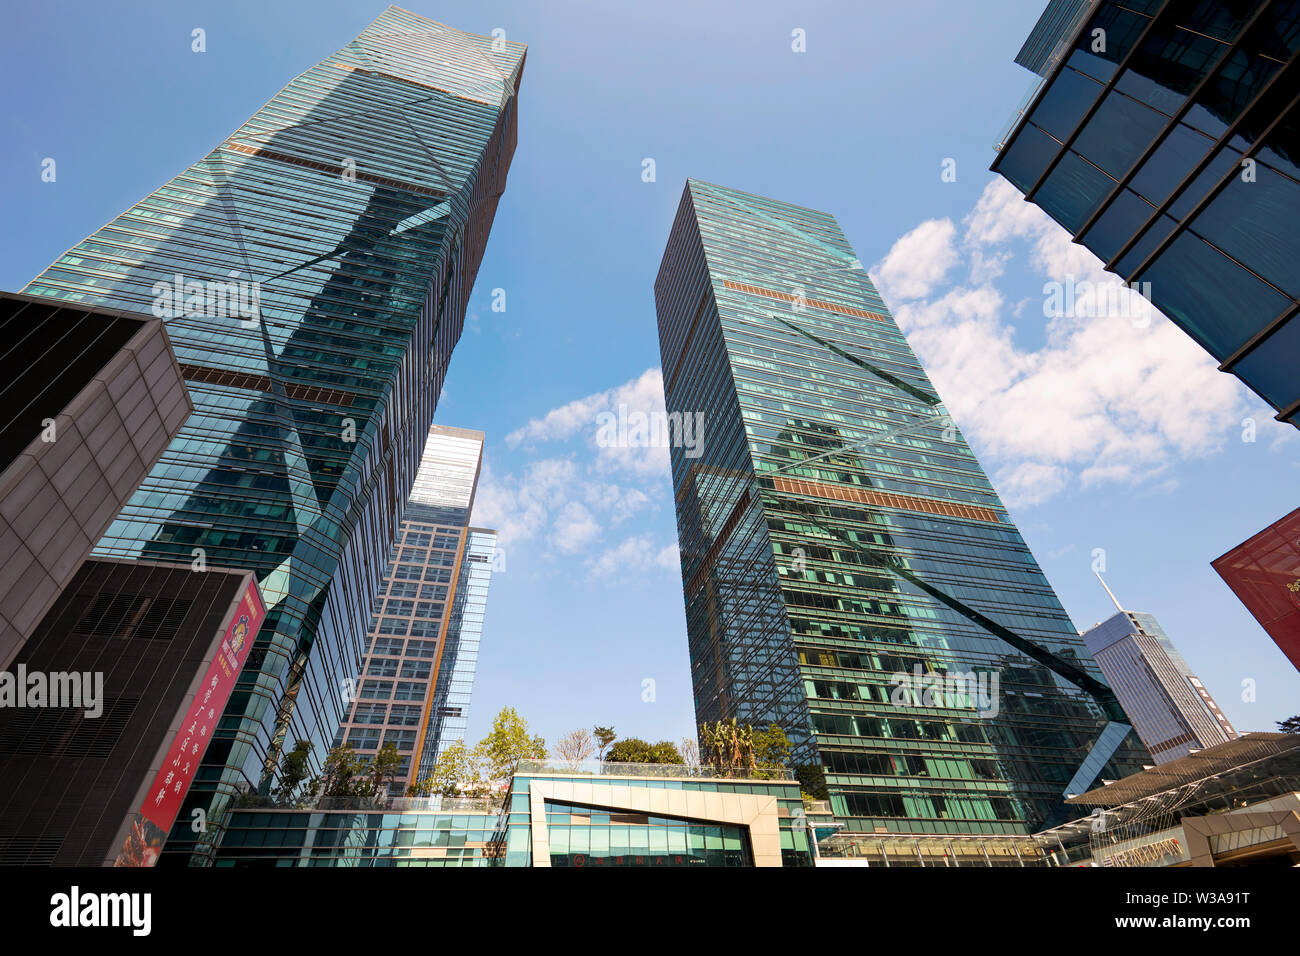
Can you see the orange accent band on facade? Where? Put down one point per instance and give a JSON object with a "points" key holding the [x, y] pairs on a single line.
{"points": [[813, 303], [885, 499], [261, 153]]}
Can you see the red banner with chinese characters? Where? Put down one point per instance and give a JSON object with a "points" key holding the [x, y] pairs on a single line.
{"points": [[163, 801]]}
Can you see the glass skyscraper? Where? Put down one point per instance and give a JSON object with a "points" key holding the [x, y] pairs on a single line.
{"points": [[842, 550], [313, 271], [424, 632], [1165, 136], [1171, 709], [449, 709]]}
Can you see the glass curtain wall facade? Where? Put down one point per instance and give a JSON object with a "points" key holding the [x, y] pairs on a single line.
{"points": [[1170, 708], [1166, 139], [313, 272], [429, 832], [449, 709], [412, 645], [841, 545], [659, 831]]}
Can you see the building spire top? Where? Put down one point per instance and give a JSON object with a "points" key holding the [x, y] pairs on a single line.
{"points": [[1118, 607]]}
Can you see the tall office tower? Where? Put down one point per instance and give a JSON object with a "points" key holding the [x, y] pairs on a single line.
{"points": [[842, 550], [1170, 708], [1165, 136], [449, 710], [414, 642], [1264, 572], [313, 271]]}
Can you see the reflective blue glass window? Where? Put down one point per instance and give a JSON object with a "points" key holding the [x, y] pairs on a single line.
{"points": [[1121, 30], [1118, 133], [1173, 159], [1064, 103], [1024, 161], [1212, 298], [1239, 80], [1271, 368], [1073, 191], [1258, 223], [1225, 159], [1121, 220]]}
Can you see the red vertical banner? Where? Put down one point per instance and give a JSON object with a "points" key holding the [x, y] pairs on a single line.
{"points": [[163, 801]]}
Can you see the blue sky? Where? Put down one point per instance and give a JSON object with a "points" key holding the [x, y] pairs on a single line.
{"points": [[1108, 433]]}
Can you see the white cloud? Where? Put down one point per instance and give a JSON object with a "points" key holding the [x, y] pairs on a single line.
{"points": [[568, 504], [917, 261], [1110, 395], [574, 528], [633, 555], [644, 394]]}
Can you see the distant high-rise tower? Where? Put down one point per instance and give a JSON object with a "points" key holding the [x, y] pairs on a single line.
{"points": [[313, 271], [419, 647], [1169, 707], [1164, 137], [848, 570]]}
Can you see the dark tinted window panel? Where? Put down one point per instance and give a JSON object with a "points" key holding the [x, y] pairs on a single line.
{"points": [[1220, 19], [1122, 29], [1278, 32], [1211, 297], [1118, 133], [1121, 220], [1026, 158], [1168, 66], [1238, 82], [1258, 223], [1065, 102], [1073, 191], [1226, 159], [1271, 368], [1173, 159], [1282, 150]]}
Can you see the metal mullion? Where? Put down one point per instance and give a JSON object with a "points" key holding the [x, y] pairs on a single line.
{"points": [[1182, 111], [1259, 337], [1092, 110], [1286, 414], [1181, 227]]}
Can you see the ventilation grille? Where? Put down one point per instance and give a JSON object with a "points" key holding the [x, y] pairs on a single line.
{"points": [[132, 616], [64, 731]]}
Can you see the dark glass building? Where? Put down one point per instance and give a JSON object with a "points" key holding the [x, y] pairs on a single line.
{"points": [[1165, 136], [313, 271], [842, 549]]}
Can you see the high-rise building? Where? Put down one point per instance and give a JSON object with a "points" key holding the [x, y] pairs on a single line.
{"points": [[1169, 707], [848, 570], [1165, 137], [90, 399], [428, 616], [1264, 572], [313, 271], [449, 710]]}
